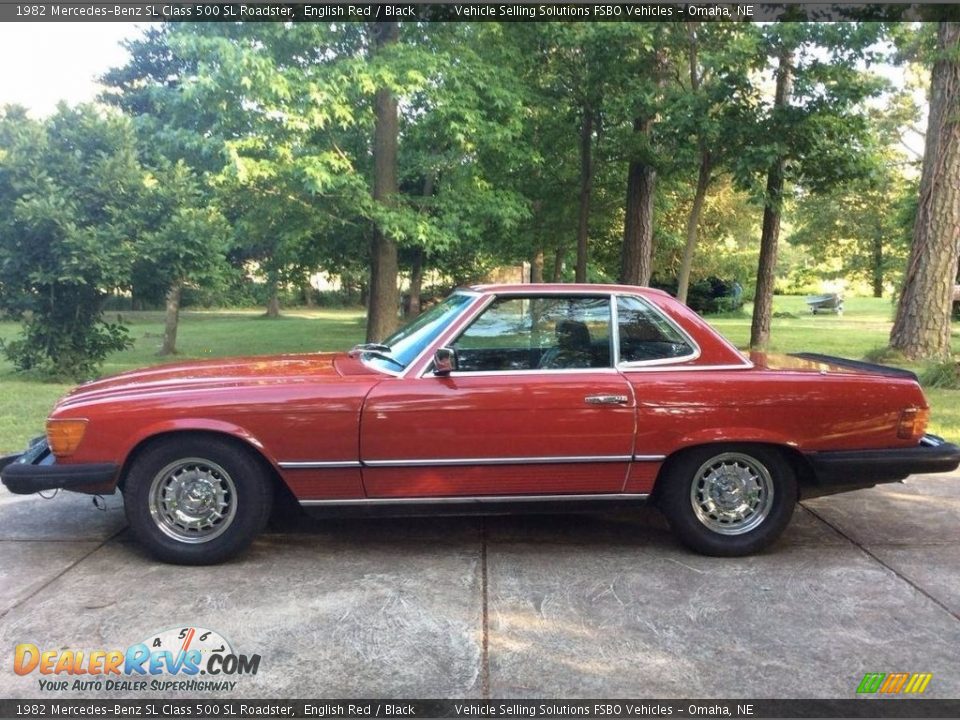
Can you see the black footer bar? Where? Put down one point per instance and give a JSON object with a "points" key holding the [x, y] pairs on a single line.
{"points": [[558, 709]]}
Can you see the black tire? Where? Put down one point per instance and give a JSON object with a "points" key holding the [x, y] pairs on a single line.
{"points": [[688, 510], [216, 471]]}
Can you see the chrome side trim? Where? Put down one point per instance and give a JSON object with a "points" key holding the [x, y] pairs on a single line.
{"points": [[473, 499], [533, 371], [319, 465], [614, 331], [681, 368], [439, 462]]}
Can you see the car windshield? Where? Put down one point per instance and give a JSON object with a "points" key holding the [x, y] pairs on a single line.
{"points": [[401, 348]]}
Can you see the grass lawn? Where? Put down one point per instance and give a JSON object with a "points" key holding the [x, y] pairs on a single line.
{"points": [[25, 402]]}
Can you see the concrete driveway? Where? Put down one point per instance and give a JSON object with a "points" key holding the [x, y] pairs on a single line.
{"points": [[549, 606]]}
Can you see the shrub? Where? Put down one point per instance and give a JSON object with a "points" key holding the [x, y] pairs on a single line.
{"points": [[65, 351], [944, 375]]}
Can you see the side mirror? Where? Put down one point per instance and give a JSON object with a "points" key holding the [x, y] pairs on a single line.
{"points": [[444, 361]]}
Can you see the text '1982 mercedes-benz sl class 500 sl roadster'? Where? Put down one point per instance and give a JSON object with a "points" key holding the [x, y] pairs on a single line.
{"points": [[500, 398]]}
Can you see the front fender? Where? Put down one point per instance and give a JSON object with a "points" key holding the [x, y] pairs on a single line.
{"points": [[221, 427]]}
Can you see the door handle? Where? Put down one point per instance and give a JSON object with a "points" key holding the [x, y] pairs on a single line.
{"points": [[606, 399]]}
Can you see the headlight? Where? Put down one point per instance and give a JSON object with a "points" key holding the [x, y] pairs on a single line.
{"points": [[64, 436]]}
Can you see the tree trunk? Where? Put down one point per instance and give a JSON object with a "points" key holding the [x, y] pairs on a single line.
{"points": [[416, 283], [876, 269], [382, 313], [586, 182], [636, 253], [703, 177], [693, 221], [307, 291], [922, 326], [558, 264], [636, 256], [770, 232], [536, 266], [273, 299], [416, 270], [172, 319]]}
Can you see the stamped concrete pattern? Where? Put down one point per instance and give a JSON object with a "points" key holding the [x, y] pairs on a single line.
{"points": [[536, 606]]}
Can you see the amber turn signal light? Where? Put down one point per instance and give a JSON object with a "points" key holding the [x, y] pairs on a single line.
{"points": [[913, 423], [64, 436]]}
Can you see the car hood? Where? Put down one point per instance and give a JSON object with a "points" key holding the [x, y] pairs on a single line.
{"points": [[209, 374]]}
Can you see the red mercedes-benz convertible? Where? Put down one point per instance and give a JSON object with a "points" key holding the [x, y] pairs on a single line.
{"points": [[500, 398]]}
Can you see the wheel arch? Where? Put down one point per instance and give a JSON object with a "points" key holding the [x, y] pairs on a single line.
{"points": [[235, 436], [791, 455]]}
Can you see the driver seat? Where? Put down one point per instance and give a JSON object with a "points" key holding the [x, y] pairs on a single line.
{"points": [[573, 348]]}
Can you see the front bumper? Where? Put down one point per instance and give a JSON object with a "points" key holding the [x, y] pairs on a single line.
{"points": [[36, 470], [870, 467]]}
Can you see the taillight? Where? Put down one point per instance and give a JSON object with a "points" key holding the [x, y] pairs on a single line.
{"points": [[913, 423], [64, 436]]}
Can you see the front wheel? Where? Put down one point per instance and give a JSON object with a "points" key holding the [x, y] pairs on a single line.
{"points": [[197, 500], [729, 500]]}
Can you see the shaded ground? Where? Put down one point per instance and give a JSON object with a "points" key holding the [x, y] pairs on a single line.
{"points": [[568, 606]]}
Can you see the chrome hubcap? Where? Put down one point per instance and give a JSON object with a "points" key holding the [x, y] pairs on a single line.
{"points": [[732, 493], [193, 500]]}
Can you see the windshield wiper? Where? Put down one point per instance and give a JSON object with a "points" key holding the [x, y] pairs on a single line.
{"points": [[370, 346], [379, 351]]}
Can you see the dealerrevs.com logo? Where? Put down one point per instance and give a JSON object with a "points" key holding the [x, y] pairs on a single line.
{"points": [[168, 661]]}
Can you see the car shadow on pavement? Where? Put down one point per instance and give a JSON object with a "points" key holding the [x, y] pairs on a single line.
{"points": [[643, 525]]}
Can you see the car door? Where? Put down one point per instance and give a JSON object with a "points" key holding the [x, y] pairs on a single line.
{"points": [[534, 408]]}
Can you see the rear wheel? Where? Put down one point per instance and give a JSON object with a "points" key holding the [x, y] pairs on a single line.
{"points": [[196, 500], [729, 500]]}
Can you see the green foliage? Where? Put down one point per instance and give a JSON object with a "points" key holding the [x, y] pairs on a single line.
{"points": [[824, 133], [252, 156], [54, 347], [944, 375], [847, 236], [68, 186], [885, 355], [183, 237], [729, 233], [711, 295]]}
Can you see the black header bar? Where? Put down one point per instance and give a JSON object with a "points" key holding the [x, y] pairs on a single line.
{"points": [[134, 11]]}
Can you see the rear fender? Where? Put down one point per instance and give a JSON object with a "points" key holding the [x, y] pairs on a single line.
{"points": [[740, 436], [728, 434]]}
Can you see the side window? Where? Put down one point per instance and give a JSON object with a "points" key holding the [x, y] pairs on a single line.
{"points": [[645, 334], [537, 333]]}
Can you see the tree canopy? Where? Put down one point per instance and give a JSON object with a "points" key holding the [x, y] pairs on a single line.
{"points": [[418, 155]]}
